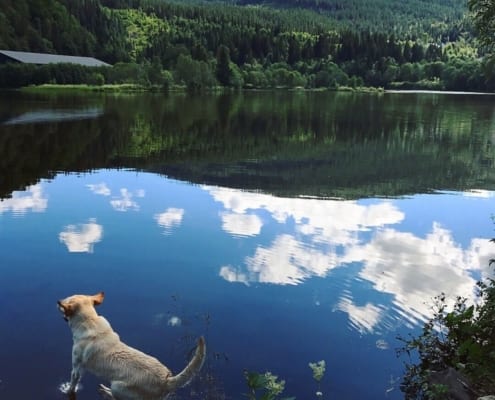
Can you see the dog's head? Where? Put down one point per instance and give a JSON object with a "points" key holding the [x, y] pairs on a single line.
{"points": [[79, 304]]}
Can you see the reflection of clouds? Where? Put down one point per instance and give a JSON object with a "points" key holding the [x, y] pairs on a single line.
{"points": [[415, 270], [140, 193], [231, 274], [170, 219], [362, 318], [99, 188], [287, 261], [485, 194], [81, 238], [412, 270], [382, 344], [125, 202], [29, 200], [326, 220], [323, 224], [478, 256], [241, 224]]}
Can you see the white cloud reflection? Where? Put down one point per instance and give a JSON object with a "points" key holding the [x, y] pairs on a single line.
{"points": [[126, 202], [99, 188], [81, 238], [321, 226], [479, 193], [241, 224], [325, 220], [408, 269], [362, 318], [32, 199], [170, 219], [415, 270]]}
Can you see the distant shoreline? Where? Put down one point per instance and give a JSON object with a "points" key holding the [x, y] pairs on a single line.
{"points": [[136, 88], [418, 91]]}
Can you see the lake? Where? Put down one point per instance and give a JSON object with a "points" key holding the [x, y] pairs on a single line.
{"points": [[285, 227]]}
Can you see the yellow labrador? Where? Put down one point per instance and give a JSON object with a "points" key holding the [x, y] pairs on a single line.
{"points": [[97, 348]]}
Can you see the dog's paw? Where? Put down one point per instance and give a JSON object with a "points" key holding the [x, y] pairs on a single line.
{"points": [[65, 388]]}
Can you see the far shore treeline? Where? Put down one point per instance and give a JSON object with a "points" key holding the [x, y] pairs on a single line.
{"points": [[247, 44]]}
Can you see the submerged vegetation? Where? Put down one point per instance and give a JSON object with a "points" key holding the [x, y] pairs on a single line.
{"points": [[250, 44]]}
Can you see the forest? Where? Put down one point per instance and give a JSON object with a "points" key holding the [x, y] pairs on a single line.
{"points": [[250, 43]]}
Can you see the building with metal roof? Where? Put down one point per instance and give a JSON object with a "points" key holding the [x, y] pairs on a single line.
{"points": [[43, 58]]}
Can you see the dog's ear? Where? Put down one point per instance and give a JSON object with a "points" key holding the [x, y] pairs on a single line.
{"points": [[98, 298]]}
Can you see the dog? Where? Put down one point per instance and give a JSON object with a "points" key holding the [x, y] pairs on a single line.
{"points": [[133, 375]]}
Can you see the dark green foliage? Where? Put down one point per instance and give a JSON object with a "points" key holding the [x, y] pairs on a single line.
{"points": [[19, 75], [43, 26], [386, 43], [223, 65], [461, 339], [264, 386], [484, 19], [196, 75]]}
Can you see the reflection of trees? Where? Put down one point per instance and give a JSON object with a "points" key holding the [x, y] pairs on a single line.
{"points": [[289, 143]]}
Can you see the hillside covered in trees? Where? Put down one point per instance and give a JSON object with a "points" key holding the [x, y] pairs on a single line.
{"points": [[249, 43]]}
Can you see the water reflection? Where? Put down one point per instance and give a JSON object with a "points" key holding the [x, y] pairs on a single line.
{"points": [[241, 224], [48, 116], [311, 144], [322, 229], [321, 235], [100, 188], [81, 238], [125, 201], [484, 194], [326, 221], [32, 199], [169, 219], [415, 270], [249, 220], [366, 318]]}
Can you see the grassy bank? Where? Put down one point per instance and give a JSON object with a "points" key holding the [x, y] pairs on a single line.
{"points": [[136, 88], [126, 87]]}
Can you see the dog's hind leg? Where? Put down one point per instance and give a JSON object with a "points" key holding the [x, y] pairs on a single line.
{"points": [[124, 391]]}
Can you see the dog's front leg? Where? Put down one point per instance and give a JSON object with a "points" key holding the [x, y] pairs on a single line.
{"points": [[75, 377], [77, 371]]}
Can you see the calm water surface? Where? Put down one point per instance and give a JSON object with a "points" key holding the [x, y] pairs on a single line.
{"points": [[286, 228]]}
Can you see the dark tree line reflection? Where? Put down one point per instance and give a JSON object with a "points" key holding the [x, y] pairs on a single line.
{"points": [[287, 143]]}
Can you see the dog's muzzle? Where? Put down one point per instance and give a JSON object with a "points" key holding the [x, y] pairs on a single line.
{"points": [[62, 310]]}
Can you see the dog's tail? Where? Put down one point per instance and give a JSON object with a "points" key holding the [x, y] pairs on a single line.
{"points": [[185, 376]]}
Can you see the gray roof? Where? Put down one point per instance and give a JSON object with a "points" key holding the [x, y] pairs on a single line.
{"points": [[43, 58]]}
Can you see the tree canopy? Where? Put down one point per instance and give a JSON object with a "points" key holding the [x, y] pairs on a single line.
{"points": [[253, 43]]}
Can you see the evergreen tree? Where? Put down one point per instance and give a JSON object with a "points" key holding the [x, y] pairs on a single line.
{"points": [[223, 71]]}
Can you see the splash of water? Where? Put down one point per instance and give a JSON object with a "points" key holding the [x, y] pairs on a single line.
{"points": [[174, 321], [64, 387]]}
